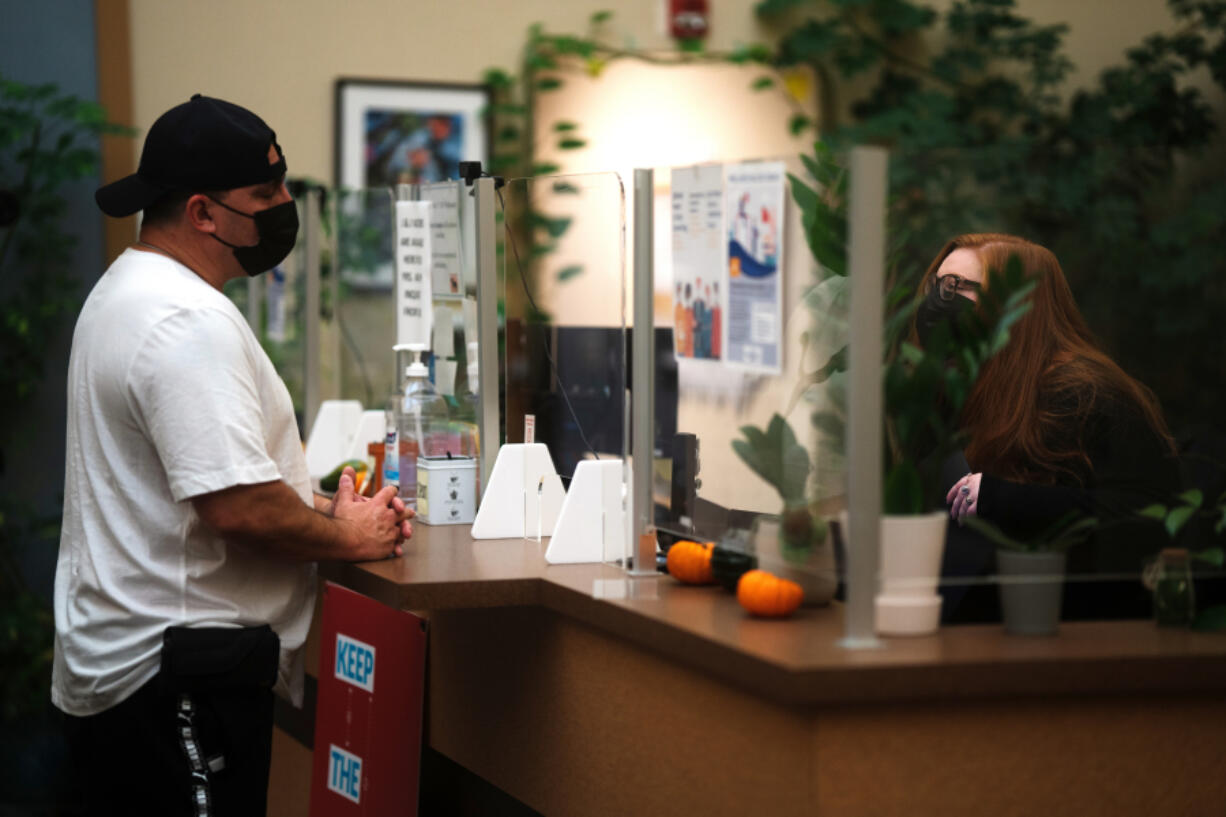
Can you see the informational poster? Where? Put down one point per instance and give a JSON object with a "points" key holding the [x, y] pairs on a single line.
{"points": [[368, 717], [753, 218], [699, 279], [444, 238], [413, 262]]}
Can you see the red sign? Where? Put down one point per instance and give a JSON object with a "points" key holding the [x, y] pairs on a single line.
{"points": [[372, 674], [689, 19]]}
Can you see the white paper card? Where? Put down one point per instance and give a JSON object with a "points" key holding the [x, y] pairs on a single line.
{"points": [[444, 376], [413, 290], [444, 237], [753, 218], [444, 332], [700, 266]]}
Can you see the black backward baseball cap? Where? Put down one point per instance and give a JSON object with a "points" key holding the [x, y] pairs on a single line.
{"points": [[203, 144]]}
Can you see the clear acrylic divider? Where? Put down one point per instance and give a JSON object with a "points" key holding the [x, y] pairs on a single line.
{"points": [[566, 356], [358, 309], [743, 318], [275, 304], [1092, 448]]}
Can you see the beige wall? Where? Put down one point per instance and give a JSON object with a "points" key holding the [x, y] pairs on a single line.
{"points": [[282, 58]]}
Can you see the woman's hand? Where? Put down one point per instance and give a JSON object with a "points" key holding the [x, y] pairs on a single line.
{"points": [[963, 498]]}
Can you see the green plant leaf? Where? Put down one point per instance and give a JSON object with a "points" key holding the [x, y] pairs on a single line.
{"points": [[1213, 556], [993, 534], [565, 188], [545, 168], [1177, 518], [1193, 498], [1211, 619], [762, 83], [566, 273], [602, 16], [1155, 511], [756, 52], [554, 227], [904, 490], [571, 144], [564, 127], [799, 123], [548, 84]]}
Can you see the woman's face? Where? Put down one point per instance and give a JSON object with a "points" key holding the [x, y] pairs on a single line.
{"points": [[965, 265]]}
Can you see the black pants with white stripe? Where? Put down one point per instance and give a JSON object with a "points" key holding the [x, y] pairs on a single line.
{"points": [[165, 753]]}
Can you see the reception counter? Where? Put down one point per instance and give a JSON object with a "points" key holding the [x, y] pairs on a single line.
{"points": [[580, 691]]}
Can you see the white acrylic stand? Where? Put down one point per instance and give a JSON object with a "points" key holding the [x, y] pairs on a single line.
{"points": [[328, 442], [592, 527], [512, 505]]}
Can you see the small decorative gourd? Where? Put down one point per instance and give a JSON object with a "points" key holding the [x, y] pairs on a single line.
{"points": [[728, 565], [690, 562], [764, 594]]}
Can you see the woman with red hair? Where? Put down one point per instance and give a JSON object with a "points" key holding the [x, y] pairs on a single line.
{"points": [[1053, 424]]}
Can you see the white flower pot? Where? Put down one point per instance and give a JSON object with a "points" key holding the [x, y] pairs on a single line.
{"points": [[910, 567]]}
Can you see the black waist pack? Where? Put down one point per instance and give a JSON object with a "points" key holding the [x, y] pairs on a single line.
{"points": [[204, 659]]}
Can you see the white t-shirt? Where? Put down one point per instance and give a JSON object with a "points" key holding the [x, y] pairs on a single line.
{"points": [[169, 397]]}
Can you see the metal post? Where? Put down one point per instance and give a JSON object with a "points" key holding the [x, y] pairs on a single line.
{"points": [[255, 300], [867, 269], [312, 231], [642, 389], [487, 327]]}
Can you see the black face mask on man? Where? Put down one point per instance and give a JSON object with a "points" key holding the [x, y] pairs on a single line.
{"points": [[934, 309], [277, 228]]}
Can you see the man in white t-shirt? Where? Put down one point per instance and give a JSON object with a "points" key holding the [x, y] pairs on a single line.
{"points": [[185, 583]]}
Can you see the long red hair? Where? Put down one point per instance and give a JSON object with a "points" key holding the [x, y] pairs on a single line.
{"points": [[1051, 352]]}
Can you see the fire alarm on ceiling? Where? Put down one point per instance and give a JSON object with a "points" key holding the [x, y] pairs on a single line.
{"points": [[688, 19]]}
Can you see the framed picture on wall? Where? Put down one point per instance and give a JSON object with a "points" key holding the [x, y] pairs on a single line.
{"points": [[390, 133]]}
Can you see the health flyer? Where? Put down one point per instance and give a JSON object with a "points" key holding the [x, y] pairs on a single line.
{"points": [[698, 261], [753, 209]]}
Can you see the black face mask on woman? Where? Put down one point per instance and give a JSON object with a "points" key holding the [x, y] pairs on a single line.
{"points": [[277, 228], [934, 309]]}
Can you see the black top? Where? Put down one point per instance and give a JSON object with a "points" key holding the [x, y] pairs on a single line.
{"points": [[1131, 467]]}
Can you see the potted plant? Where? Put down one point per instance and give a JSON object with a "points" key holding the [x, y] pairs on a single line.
{"points": [[1031, 572], [775, 455], [924, 391], [1191, 525]]}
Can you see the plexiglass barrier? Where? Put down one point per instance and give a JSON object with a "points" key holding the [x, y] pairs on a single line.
{"points": [[1091, 451], [743, 314], [1086, 472], [327, 315], [276, 308], [566, 302]]}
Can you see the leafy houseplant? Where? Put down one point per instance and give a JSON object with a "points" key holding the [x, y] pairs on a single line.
{"points": [[1178, 519], [776, 456], [1032, 570], [47, 140], [924, 387]]}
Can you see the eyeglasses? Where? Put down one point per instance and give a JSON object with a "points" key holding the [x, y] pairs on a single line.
{"points": [[950, 284]]}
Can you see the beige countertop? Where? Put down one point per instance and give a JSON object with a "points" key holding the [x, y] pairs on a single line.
{"points": [[798, 661]]}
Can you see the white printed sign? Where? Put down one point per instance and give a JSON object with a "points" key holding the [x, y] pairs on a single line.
{"points": [[753, 218], [700, 267], [445, 262], [413, 262], [344, 773], [355, 662]]}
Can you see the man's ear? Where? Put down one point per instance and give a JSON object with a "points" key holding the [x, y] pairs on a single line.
{"points": [[199, 216]]}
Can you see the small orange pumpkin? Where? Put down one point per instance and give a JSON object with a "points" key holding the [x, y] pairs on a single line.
{"points": [[690, 562], [764, 594]]}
